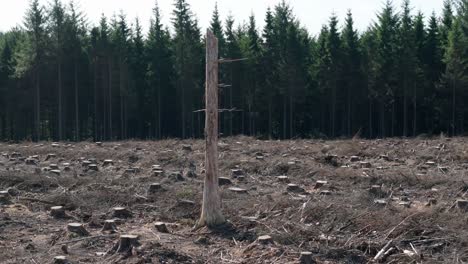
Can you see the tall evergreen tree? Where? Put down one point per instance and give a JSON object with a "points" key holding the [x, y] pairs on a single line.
{"points": [[351, 71]]}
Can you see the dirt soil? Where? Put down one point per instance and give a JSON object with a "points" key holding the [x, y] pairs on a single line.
{"points": [[388, 201]]}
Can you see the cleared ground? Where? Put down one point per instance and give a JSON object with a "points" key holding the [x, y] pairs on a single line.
{"points": [[402, 196]]}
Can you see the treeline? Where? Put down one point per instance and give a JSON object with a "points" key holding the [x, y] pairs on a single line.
{"points": [[405, 75]]}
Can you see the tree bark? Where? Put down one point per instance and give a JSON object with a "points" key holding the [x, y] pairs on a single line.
{"points": [[77, 120], [211, 209]]}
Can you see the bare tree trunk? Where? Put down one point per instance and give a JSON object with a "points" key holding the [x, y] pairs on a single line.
{"points": [[405, 111], [121, 89], [211, 209], [96, 133], [77, 120], [453, 109], [415, 113], [60, 117], [38, 106], [110, 98]]}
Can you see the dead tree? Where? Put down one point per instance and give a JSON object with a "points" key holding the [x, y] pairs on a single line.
{"points": [[211, 209]]}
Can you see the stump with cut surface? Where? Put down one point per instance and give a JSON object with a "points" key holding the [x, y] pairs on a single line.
{"points": [[78, 229], [126, 243], [319, 184], [4, 197], [56, 172], [462, 205], [224, 181], [236, 173], [265, 239], [61, 260], [161, 227], [121, 212], [294, 188], [57, 212], [306, 258], [237, 190], [154, 188], [108, 162], [109, 226], [284, 179]]}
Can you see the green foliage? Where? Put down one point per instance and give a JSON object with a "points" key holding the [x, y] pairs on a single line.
{"points": [[404, 75]]}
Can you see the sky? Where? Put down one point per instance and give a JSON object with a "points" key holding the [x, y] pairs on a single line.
{"points": [[311, 13]]}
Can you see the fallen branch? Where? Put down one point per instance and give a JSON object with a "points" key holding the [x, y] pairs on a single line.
{"points": [[382, 252]]}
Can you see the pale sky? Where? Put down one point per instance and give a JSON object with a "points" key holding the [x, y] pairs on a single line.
{"points": [[312, 13]]}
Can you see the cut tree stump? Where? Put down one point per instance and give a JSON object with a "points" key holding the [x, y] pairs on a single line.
{"points": [[224, 181], [77, 228], [237, 190], [93, 167], [109, 226], [4, 197], [121, 212], [320, 184], [284, 179], [306, 258], [294, 188], [265, 239], [462, 205], [236, 173], [154, 188], [61, 260], [354, 159], [376, 190], [53, 166], [161, 227], [50, 156], [108, 162], [57, 212], [186, 147], [190, 174], [56, 172], [126, 243]]}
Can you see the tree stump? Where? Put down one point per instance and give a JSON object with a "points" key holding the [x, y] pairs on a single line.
{"points": [[53, 166], [431, 202], [57, 212], [154, 188], [462, 205], [319, 184], [109, 226], [224, 181], [108, 162], [93, 167], [161, 227], [4, 197], [236, 173], [190, 174], [365, 164], [126, 243], [376, 190], [186, 147], [77, 228], [354, 159], [99, 144], [294, 188], [284, 179], [121, 212], [237, 190], [50, 156], [306, 258], [56, 172], [61, 260], [265, 239]]}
